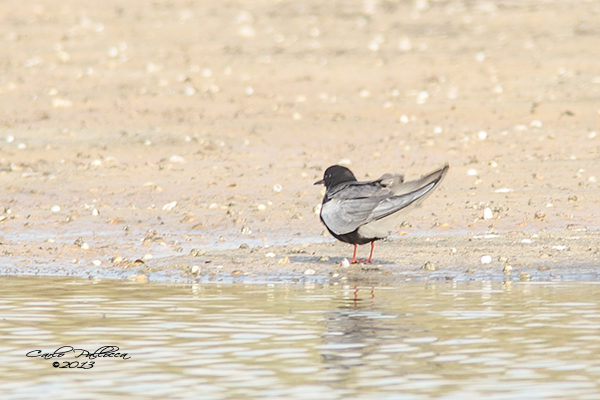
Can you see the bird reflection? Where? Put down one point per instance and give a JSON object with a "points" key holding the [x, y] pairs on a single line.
{"points": [[355, 330]]}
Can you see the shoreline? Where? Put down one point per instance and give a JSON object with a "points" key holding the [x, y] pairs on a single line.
{"points": [[541, 256]]}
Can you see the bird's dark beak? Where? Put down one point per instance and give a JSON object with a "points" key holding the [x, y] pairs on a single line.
{"points": [[319, 182]]}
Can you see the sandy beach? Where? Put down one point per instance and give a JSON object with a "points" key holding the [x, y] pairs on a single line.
{"points": [[151, 141]]}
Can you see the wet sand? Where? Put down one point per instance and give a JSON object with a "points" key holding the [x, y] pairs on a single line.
{"points": [[149, 132]]}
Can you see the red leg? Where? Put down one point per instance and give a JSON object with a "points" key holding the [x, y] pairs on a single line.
{"points": [[371, 255], [354, 260]]}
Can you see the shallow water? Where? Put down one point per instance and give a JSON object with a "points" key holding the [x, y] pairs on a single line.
{"points": [[208, 341]]}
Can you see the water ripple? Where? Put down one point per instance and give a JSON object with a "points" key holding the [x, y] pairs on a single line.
{"points": [[298, 342]]}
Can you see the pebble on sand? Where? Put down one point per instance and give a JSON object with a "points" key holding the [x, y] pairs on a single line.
{"points": [[429, 266], [81, 243], [284, 260], [197, 252], [61, 103], [488, 214], [536, 124], [486, 259], [169, 206], [177, 159]]}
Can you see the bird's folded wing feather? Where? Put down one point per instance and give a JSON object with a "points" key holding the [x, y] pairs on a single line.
{"points": [[396, 203], [408, 193], [411, 186], [351, 206]]}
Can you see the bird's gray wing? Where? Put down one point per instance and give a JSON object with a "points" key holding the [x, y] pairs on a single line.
{"points": [[405, 194], [350, 206], [394, 204]]}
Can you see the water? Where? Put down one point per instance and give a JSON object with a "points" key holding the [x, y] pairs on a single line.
{"points": [[410, 341]]}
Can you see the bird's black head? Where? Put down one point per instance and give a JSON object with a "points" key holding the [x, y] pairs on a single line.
{"points": [[335, 175]]}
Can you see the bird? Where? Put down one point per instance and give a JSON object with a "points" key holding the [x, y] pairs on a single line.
{"points": [[363, 212]]}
